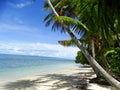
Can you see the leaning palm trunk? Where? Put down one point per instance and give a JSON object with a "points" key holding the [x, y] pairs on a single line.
{"points": [[90, 59]]}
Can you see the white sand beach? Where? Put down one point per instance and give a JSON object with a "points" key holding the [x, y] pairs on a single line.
{"points": [[65, 79]]}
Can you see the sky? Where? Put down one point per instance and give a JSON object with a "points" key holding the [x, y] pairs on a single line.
{"points": [[22, 31]]}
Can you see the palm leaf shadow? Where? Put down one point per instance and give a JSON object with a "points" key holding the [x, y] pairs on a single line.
{"points": [[67, 82], [22, 85]]}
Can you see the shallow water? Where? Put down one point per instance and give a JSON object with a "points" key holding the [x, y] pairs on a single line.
{"points": [[17, 66]]}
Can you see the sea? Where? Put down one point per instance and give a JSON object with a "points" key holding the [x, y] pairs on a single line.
{"points": [[14, 67]]}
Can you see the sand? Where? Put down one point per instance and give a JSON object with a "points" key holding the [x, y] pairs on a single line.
{"points": [[64, 79]]}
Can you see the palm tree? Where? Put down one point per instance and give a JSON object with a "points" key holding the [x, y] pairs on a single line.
{"points": [[97, 33], [95, 17], [70, 10], [89, 44], [104, 28], [91, 60]]}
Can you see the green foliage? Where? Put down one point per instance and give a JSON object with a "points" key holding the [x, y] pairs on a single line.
{"points": [[98, 20], [113, 56], [69, 20], [80, 58]]}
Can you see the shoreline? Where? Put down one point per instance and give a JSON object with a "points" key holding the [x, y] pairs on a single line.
{"points": [[66, 79]]}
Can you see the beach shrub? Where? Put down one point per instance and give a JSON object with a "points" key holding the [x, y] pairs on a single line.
{"points": [[113, 57], [80, 58]]}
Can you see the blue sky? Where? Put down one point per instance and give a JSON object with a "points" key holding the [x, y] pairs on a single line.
{"points": [[22, 26]]}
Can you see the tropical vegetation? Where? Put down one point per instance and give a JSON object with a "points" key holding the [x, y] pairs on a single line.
{"points": [[97, 24]]}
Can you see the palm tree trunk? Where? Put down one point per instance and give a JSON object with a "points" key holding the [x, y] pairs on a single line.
{"points": [[93, 54], [105, 62], [90, 59], [93, 48]]}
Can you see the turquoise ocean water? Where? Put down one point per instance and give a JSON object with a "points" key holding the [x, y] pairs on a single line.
{"points": [[17, 66]]}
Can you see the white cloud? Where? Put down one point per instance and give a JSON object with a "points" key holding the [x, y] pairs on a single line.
{"points": [[41, 49], [21, 5]]}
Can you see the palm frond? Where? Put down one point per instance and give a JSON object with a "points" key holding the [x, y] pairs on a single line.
{"points": [[67, 43], [48, 17], [57, 26], [71, 42], [71, 21]]}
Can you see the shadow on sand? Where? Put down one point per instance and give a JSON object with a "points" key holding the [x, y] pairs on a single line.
{"points": [[21, 85], [59, 81]]}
